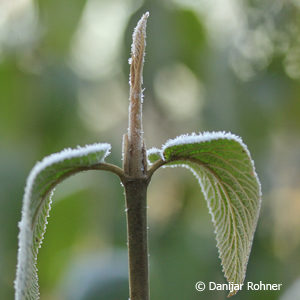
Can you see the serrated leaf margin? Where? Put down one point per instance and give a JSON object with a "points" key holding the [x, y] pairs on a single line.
{"points": [[202, 138], [26, 282]]}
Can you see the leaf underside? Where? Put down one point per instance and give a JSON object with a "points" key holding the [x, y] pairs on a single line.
{"points": [[36, 206], [226, 174]]}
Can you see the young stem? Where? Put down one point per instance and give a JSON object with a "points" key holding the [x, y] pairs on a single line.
{"points": [[134, 149], [135, 172]]}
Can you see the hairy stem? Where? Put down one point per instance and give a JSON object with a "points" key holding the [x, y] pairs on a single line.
{"points": [[136, 208], [135, 172]]}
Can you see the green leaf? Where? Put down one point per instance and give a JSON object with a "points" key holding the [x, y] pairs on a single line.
{"points": [[226, 174], [153, 155], [36, 206]]}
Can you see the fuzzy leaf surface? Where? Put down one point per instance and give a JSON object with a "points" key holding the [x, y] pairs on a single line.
{"points": [[222, 164], [36, 206]]}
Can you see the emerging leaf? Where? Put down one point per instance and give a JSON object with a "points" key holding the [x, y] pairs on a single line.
{"points": [[226, 174], [153, 155], [36, 206]]}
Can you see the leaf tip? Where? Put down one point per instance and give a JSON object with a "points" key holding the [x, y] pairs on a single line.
{"points": [[232, 293], [139, 38]]}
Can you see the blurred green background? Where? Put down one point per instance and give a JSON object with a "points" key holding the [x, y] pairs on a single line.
{"points": [[210, 65]]}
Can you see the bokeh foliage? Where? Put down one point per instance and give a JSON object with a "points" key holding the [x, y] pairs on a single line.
{"points": [[210, 65]]}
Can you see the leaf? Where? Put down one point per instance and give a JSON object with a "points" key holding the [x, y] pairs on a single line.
{"points": [[226, 174], [36, 206], [153, 155]]}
